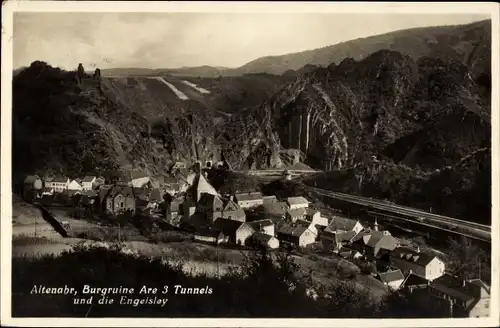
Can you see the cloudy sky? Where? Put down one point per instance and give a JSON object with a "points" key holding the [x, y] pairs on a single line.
{"points": [[171, 40]]}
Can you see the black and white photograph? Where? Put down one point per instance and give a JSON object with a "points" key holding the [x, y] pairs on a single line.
{"points": [[249, 161]]}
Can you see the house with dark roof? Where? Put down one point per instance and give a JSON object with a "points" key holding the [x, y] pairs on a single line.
{"points": [[422, 264], [315, 217], [340, 231], [413, 282], [208, 235], [118, 199], [273, 211], [265, 226], [297, 202], [232, 211], [469, 298], [249, 199], [294, 233], [343, 224], [392, 279], [237, 232], [372, 242], [264, 240], [293, 215]]}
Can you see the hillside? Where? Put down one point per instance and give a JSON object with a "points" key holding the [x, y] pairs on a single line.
{"points": [[100, 126], [464, 43], [428, 112]]}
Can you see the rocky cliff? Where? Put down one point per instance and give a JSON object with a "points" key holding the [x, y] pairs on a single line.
{"points": [[427, 112]]}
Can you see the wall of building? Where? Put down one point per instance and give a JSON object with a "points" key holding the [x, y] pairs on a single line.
{"points": [[307, 238], [243, 233]]}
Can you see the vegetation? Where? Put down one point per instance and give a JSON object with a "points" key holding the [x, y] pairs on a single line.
{"points": [[254, 291]]}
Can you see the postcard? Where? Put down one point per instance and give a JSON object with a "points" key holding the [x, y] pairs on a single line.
{"points": [[260, 164]]}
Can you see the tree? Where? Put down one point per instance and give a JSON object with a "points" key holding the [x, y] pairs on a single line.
{"points": [[467, 259]]}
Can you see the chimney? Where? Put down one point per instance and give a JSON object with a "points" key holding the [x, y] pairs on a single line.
{"points": [[464, 282], [418, 249], [231, 197]]}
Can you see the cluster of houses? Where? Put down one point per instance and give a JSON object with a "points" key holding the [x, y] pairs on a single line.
{"points": [[217, 218], [252, 219], [133, 190], [399, 266]]}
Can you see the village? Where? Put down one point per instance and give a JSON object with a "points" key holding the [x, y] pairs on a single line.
{"points": [[186, 201]]}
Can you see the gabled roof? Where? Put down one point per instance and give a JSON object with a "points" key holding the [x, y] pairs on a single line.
{"points": [[414, 280], [256, 225], [456, 287], [89, 178], [60, 179], [297, 200], [341, 223], [229, 205], [126, 191], [373, 238], [207, 232], [248, 196], [228, 227], [345, 236], [278, 209], [262, 237], [310, 212], [291, 229], [201, 185], [209, 200], [390, 276], [410, 255]]}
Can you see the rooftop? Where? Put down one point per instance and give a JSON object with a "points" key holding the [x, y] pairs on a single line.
{"points": [[248, 196], [411, 255], [391, 276], [457, 288], [341, 223], [89, 178], [297, 200]]}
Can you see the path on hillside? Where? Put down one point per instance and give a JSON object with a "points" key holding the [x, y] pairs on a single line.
{"points": [[177, 92], [197, 88]]}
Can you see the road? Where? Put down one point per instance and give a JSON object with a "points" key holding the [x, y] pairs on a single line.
{"points": [[456, 226]]}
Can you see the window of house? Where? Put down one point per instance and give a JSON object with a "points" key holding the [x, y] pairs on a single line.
{"points": [[121, 204]]}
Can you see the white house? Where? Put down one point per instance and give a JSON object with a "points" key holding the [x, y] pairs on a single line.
{"points": [[59, 183], [425, 265], [88, 182], [297, 202], [342, 224], [249, 199], [295, 233], [74, 185], [315, 217], [266, 240], [264, 226]]}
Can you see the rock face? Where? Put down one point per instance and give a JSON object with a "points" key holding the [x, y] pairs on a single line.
{"points": [[385, 105]]}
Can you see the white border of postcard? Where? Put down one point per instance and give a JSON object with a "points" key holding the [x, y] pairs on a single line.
{"points": [[9, 7]]}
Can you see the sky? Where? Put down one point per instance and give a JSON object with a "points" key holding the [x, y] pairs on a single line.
{"points": [[172, 40]]}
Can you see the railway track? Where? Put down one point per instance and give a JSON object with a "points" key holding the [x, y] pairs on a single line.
{"points": [[470, 229]]}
